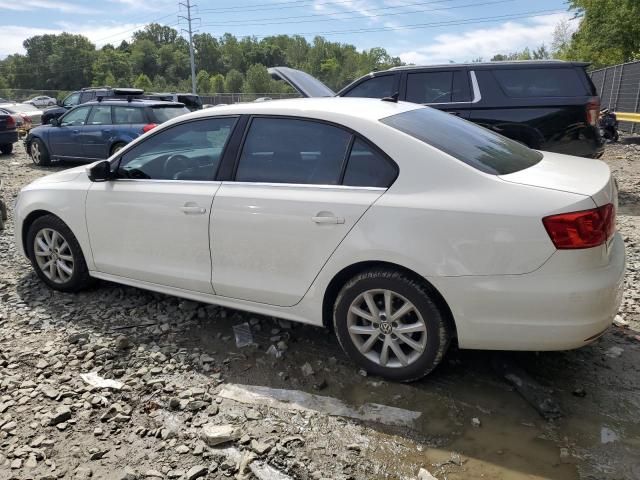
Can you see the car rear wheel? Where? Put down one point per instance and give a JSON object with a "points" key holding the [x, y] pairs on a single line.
{"points": [[117, 147], [391, 325], [39, 153], [6, 148], [56, 255]]}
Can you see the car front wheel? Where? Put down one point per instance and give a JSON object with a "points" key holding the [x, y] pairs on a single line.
{"points": [[39, 153], [390, 324], [56, 255]]}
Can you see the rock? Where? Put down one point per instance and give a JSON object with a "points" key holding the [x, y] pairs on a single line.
{"points": [[264, 471], [123, 343], [195, 405], [153, 474], [16, 463], [82, 473], [214, 435], [32, 462], [98, 455], [62, 414], [182, 449], [50, 392], [475, 422], [128, 474], [307, 369], [424, 474], [77, 338], [614, 352], [196, 471], [260, 447], [174, 403], [619, 321], [565, 456]]}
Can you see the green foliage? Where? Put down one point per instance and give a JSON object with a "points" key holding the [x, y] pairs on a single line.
{"points": [[233, 81], [540, 53], [609, 31], [216, 83], [202, 82], [69, 62], [258, 79], [143, 82]]}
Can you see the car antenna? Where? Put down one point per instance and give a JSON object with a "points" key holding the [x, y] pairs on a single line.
{"points": [[393, 98]]}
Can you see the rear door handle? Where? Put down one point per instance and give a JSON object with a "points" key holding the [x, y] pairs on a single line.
{"points": [[191, 208], [327, 218]]}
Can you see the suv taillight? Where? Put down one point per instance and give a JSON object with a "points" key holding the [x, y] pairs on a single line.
{"points": [[149, 126], [584, 229], [11, 122], [593, 111]]}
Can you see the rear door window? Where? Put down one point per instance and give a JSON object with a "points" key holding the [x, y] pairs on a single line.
{"points": [[284, 150], [100, 115], [541, 82], [376, 87], [429, 87], [161, 114], [474, 145]]}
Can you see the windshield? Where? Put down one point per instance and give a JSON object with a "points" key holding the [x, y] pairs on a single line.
{"points": [[474, 145], [162, 113]]}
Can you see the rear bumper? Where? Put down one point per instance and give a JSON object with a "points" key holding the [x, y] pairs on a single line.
{"points": [[557, 307], [9, 137]]}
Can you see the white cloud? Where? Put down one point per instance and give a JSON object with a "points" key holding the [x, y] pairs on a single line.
{"points": [[14, 35], [30, 5], [486, 42]]}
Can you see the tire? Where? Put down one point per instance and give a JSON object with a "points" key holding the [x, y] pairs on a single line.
{"points": [[47, 230], [116, 147], [430, 332], [39, 153], [6, 148]]}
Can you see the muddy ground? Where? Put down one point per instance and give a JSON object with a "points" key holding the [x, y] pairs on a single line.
{"points": [[177, 361]]}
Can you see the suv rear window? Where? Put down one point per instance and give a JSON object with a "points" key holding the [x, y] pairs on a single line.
{"points": [[474, 145], [162, 113], [541, 82]]}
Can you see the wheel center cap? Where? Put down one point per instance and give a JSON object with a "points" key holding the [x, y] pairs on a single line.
{"points": [[385, 327]]}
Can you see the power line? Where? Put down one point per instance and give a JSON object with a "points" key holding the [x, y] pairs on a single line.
{"points": [[336, 17]]}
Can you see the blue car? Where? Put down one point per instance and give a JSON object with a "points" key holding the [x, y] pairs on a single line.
{"points": [[96, 130]]}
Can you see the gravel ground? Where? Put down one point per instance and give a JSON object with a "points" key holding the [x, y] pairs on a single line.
{"points": [[167, 412]]}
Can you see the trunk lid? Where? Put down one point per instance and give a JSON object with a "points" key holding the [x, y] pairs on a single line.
{"points": [[570, 174], [302, 82]]}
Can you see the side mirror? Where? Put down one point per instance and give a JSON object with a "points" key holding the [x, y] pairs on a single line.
{"points": [[100, 172], [59, 103], [55, 122]]}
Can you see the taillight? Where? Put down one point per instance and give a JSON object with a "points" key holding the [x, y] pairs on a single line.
{"points": [[11, 122], [584, 229], [149, 126], [593, 111]]}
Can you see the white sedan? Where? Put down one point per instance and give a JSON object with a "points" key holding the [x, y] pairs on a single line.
{"points": [[397, 225], [41, 101]]}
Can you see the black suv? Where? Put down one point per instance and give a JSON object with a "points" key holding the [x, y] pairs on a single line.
{"points": [[86, 95], [547, 105]]}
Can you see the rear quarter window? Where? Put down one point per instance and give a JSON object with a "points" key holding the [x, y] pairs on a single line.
{"points": [[474, 145], [541, 82], [162, 113]]}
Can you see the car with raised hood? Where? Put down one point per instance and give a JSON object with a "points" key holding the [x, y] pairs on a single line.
{"points": [[546, 105], [96, 130], [348, 213]]}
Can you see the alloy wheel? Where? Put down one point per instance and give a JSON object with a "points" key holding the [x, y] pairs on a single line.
{"points": [[387, 328], [53, 255], [35, 152]]}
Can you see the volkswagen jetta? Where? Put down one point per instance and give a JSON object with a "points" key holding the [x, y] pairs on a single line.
{"points": [[400, 226]]}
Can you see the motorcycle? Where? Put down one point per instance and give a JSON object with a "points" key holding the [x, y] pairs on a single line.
{"points": [[608, 125]]}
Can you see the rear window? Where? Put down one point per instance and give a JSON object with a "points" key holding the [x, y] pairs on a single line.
{"points": [[474, 145], [162, 113], [541, 82]]}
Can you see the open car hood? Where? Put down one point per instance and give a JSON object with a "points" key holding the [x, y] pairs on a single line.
{"points": [[302, 82]]}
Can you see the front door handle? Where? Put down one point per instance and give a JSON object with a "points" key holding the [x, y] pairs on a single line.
{"points": [[192, 208], [327, 217]]}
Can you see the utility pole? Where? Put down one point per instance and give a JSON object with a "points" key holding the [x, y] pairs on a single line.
{"points": [[189, 19]]}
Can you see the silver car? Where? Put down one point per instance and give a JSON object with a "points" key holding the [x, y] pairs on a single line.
{"points": [[42, 101]]}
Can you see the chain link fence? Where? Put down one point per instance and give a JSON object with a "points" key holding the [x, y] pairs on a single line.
{"points": [[18, 95], [619, 90]]}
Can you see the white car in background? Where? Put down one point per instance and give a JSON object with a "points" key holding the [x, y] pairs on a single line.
{"points": [[400, 226], [41, 101]]}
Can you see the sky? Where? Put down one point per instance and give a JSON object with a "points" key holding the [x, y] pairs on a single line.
{"points": [[418, 31]]}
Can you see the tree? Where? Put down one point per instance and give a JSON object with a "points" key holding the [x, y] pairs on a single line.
{"points": [[233, 82], [609, 31], [216, 83], [143, 82], [258, 79], [202, 82], [561, 39]]}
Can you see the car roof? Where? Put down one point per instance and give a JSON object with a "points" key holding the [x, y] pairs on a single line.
{"points": [[319, 107], [136, 102], [492, 65]]}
